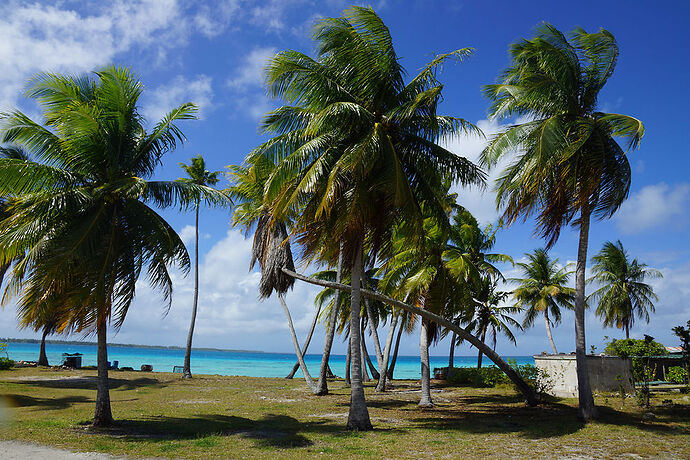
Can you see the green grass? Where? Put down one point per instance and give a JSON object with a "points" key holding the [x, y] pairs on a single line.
{"points": [[161, 415]]}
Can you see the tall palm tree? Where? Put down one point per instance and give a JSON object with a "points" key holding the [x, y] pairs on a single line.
{"points": [[358, 151], [623, 294], [199, 175], [81, 226], [569, 166], [543, 289]]}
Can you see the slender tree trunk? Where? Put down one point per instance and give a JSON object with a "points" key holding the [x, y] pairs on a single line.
{"points": [[530, 396], [348, 363], [295, 343], [548, 331], [391, 368], [103, 415], [358, 418], [451, 356], [587, 410], [365, 374], [306, 343], [42, 357], [187, 368], [627, 331], [374, 334], [322, 384], [480, 355], [365, 355], [425, 400], [381, 385]]}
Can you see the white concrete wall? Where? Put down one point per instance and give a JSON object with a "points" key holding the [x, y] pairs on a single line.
{"points": [[562, 373]]}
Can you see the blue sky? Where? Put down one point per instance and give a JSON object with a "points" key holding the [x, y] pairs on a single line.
{"points": [[212, 53]]}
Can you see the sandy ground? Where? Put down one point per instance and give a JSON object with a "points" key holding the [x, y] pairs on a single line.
{"points": [[15, 450]]}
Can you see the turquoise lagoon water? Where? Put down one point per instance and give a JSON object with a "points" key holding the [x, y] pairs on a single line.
{"points": [[251, 364]]}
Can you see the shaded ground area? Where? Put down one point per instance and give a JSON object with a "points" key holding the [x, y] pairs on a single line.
{"points": [[161, 415]]}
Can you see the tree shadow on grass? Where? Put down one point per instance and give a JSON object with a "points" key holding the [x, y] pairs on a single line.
{"points": [[14, 400], [89, 383], [272, 430]]}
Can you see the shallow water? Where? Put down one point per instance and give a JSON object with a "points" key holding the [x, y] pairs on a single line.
{"points": [[251, 364]]}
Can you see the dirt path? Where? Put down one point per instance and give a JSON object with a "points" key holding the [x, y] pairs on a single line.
{"points": [[16, 450]]}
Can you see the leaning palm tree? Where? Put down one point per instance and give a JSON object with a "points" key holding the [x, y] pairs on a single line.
{"points": [[81, 226], [199, 175], [543, 289], [357, 152], [623, 294], [491, 316], [569, 167]]}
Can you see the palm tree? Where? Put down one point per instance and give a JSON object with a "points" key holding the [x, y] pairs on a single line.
{"points": [[569, 166], [623, 294], [199, 175], [543, 289], [81, 227], [490, 316], [357, 152]]}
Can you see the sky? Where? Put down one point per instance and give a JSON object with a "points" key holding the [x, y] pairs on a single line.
{"points": [[213, 53]]}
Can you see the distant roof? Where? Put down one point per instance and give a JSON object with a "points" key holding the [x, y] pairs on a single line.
{"points": [[674, 349]]}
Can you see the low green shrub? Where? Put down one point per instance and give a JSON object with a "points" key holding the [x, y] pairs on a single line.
{"points": [[5, 363], [485, 377], [677, 374]]}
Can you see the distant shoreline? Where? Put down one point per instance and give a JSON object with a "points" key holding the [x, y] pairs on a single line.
{"points": [[132, 345]]}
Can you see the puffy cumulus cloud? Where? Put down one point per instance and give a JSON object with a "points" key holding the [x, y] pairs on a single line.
{"points": [[160, 100], [52, 37], [187, 234], [654, 206], [247, 83]]}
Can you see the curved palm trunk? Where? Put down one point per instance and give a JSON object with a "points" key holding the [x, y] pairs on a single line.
{"points": [[381, 385], [547, 323], [375, 335], [365, 374], [103, 415], [425, 400], [306, 343], [295, 343], [365, 355], [358, 417], [519, 382], [322, 384], [187, 368], [348, 362], [391, 368], [451, 356], [480, 355], [42, 357], [587, 410]]}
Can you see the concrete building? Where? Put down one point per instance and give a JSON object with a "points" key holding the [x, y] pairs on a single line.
{"points": [[603, 372]]}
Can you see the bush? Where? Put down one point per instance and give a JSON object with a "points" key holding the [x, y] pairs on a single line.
{"points": [[5, 363], [626, 348], [484, 377], [677, 374]]}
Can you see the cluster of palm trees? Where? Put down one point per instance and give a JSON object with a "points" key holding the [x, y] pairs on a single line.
{"points": [[355, 176]]}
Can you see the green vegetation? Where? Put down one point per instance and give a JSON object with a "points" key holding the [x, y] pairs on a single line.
{"points": [[626, 348], [162, 415], [677, 374]]}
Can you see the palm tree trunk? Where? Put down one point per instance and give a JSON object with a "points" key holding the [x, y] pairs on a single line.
{"points": [[391, 368], [480, 355], [365, 374], [358, 417], [627, 331], [548, 330], [322, 384], [587, 410], [42, 357], [306, 343], [425, 400], [348, 361], [187, 368], [528, 392], [451, 357], [103, 415], [295, 343], [374, 334], [381, 385], [365, 355]]}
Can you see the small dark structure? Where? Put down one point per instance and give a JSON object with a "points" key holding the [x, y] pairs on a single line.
{"points": [[146, 368], [178, 369], [72, 360]]}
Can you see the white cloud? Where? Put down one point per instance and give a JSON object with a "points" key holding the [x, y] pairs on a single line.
{"points": [[35, 37], [251, 70], [213, 20], [188, 232], [162, 99], [659, 205]]}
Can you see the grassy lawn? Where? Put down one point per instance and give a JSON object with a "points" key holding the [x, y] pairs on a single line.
{"points": [[162, 415]]}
